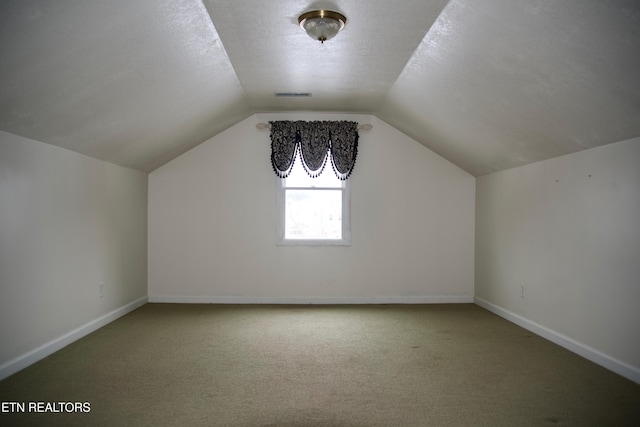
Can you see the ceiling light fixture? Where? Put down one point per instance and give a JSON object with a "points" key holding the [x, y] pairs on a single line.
{"points": [[322, 25]]}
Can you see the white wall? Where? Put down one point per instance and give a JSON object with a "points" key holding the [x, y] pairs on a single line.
{"points": [[67, 223], [569, 229], [212, 225]]}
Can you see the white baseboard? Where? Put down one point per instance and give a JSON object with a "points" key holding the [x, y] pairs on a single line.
{"points": [[445, 299], [21, 362], [630, 372]]}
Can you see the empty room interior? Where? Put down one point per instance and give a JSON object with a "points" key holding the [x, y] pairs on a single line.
{"points": [[163, 232]]}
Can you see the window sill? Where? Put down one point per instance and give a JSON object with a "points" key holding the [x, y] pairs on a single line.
{"points": [[307, 242]]}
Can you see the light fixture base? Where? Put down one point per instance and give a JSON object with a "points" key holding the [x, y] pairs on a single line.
{"points": [[322, 25]]}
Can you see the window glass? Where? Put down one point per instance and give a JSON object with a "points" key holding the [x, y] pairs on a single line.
{"points": [[313, 211], [313, 214]]}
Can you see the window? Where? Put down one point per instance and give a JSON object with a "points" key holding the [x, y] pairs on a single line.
{"points": [[313, 211]]}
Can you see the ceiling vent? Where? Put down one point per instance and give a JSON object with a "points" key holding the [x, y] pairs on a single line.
{"points": [[293, 95]]}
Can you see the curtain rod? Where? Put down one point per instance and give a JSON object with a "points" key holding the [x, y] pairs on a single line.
{"points": [[268, 126]]}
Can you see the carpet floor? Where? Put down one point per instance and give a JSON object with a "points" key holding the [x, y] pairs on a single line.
{"points": [[275, 365]]}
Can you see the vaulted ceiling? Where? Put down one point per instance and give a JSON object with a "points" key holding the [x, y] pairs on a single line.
{"points": [[489, 85]]}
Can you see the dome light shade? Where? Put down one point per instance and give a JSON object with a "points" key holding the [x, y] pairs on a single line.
{"points": [[322, 25]]}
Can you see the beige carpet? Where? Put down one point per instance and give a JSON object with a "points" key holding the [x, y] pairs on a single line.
{"points": [[389, 365]]}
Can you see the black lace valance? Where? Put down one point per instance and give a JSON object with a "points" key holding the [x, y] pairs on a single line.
{"points": [[313, 141]]}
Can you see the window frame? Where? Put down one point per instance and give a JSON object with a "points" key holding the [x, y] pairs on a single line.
{"points": [[281, 213]]}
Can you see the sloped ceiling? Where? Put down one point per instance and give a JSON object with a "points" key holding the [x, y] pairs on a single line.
{"points": [[488, 85]]}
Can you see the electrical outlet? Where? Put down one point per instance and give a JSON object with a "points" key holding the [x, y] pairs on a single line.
{"points": [[523, 290], [101, 290]]}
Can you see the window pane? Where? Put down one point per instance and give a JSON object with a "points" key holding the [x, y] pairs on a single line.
{"points": [[299, 177], [313, 214]]}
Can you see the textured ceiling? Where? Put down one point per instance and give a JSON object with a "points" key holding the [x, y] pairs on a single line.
{"points": [[488, 85]]}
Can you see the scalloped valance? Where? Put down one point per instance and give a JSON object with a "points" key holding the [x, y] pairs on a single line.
{"points": [[314, 141]]}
